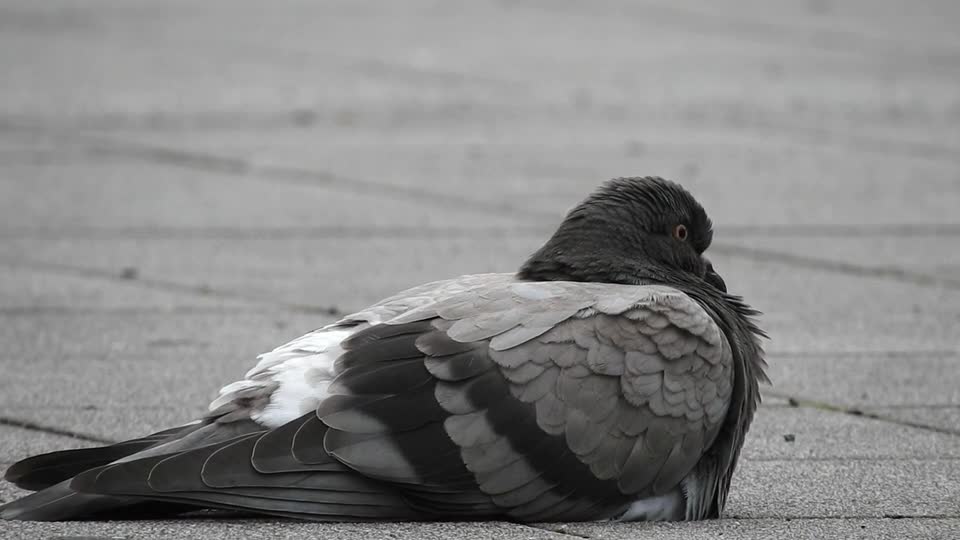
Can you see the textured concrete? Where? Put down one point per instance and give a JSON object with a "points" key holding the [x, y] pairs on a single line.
{"points": [[747, 529], [186, 184]]}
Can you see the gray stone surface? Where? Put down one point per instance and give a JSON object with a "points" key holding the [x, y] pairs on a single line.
{"points": [[826, 435], [89, 192], [845, 488], [873, 378], [924, 250], [945, 417], [748, 529], [273, 529], [184, 185]]}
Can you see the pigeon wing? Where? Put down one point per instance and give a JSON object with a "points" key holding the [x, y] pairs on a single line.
{"points": [[558, 401]]}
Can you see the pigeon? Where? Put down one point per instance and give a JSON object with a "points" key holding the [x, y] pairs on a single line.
{"points": [[612, 377]]}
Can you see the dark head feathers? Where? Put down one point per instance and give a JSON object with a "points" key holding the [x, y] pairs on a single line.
{"points": [[626, 232], [651, 204]]}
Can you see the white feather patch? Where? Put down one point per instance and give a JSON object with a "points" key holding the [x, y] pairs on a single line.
{"points": [[294, 377]]}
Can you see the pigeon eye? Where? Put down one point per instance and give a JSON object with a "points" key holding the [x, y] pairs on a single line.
{"points": [[680, 233]]}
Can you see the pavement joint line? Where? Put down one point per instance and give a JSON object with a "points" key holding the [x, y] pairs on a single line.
{"points": [[216, 163], [841, 230], [817, 136], [33, 426], [884, 354], [270, 233], [935, 406], [858, 412], [907, 407], [844, 517], [826, 459], [164, 285], [888, 273], [302, 176], [70, 311], [289, 174], [229, 165]]}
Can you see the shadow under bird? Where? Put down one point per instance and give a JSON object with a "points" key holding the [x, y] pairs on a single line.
{"points": [[611, 377]]}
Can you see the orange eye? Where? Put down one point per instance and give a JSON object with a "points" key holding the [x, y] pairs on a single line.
{"points": [[680, 233]]}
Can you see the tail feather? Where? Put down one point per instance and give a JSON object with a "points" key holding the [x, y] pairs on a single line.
{"points": [[45, 470], [56, 503], [51, 475], [212, 465]]}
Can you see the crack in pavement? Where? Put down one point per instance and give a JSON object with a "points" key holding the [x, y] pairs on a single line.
{"points": [[268, 233], [769, 459], [294, 175], [34, 426], [794, 401], [860, 353], [845, 517], [166, 285], [889, 273], [71, 311]]}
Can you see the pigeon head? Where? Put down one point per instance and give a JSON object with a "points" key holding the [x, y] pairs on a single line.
{"points": [[630, 230]]}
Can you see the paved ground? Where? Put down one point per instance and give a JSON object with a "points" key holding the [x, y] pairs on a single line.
{"points": [[185, 184]]}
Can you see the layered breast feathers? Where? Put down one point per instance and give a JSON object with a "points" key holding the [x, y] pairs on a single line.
{"points": [[486, 396]]}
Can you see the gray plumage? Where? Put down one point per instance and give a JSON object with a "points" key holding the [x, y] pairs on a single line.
{"points": [[612, 377]]}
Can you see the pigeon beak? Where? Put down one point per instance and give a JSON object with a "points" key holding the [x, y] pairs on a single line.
{"points": [[713, 278]]}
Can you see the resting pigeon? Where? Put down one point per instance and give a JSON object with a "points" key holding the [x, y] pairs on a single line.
{"points": [[611, 377]]}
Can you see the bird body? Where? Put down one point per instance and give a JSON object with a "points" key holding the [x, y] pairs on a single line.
{"points": [[607, 379]]}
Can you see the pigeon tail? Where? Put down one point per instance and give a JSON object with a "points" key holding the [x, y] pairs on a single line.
{"points": [[58, 503], [52, 475]]}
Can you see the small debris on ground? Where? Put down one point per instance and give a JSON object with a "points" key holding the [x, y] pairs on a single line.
{"points": [[129, 272]]}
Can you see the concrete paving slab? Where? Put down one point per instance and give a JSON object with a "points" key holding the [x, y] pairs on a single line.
{"points": [[115, 421], [25, 290], [348, 273], [749, 529], [155, 364], [17, 443], [101, 191], [913, 378], [845, 488], [115, 335], [925, 250], [121, 374], [944, 417], [846, 18], [711, 59], [273, 529], [785, 433]]}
